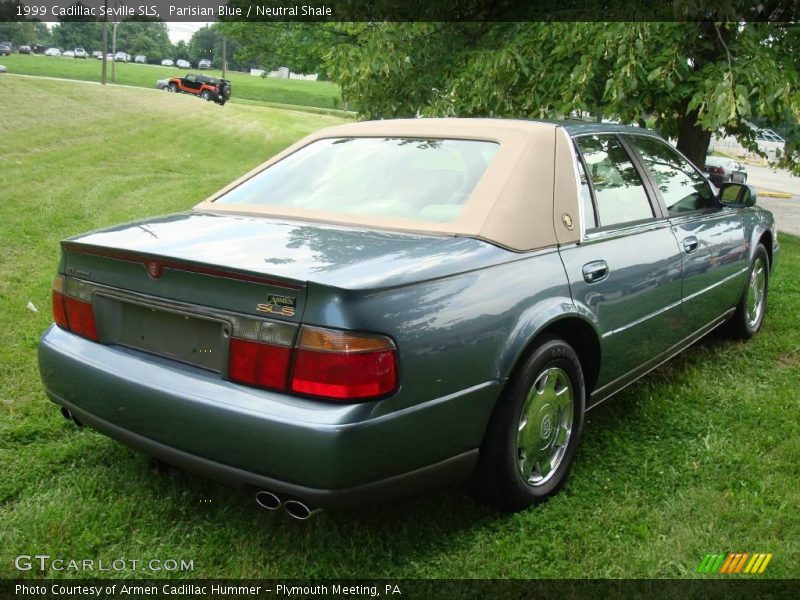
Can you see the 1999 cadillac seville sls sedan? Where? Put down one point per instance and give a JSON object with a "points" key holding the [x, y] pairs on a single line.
{"points": [[390, 305]]}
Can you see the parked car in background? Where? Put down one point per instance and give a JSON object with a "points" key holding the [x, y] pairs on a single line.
{"points": [[167, 62], [68, 54], [25, 50], [141, 59], [208, 88], [5, 48], [110, 56], [122, 57], [52, 52], [721, 170], [183, 64], [204, 64], [80, 53], [98, 54], [390, 305]]}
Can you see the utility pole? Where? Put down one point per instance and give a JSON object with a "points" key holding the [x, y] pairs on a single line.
{"points": [[114, 53], [105, 41], [224, 57]]}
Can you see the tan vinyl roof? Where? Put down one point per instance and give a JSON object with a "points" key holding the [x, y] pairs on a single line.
{"points": [[528, 198]]}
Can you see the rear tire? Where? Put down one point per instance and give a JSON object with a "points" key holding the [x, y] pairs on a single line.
{"points": [[534, 432], [750, 311]]}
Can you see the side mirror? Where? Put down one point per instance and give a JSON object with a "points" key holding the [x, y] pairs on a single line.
{"points": [[737, 195]]}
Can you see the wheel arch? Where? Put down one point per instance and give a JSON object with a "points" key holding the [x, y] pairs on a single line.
{"points": [[766, 239], [579, 333]]}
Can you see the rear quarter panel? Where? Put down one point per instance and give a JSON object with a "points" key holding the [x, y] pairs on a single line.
{"points": [[456, 332]]}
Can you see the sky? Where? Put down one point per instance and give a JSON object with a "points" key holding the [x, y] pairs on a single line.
{"points": [[183, 31]]}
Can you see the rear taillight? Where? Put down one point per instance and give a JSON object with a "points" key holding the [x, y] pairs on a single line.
{"points": [[260, 352], [72, 307], [716, 170], [259, 364], [59, 311], [324, 363], [342, 365]]}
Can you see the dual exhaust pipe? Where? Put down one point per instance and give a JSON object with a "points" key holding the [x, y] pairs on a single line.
{"points": [[294, 508]]}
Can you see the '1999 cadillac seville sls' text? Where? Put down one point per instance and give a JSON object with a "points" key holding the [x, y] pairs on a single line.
{"points": [[387, 306]]}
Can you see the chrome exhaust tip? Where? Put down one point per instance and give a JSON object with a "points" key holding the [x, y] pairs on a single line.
{"points": [[299, 510], [268, 500]]}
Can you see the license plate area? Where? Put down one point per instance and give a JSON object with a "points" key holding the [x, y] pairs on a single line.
{"points": [[182, 336]]}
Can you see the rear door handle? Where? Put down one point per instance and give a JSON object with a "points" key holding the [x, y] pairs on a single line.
{"points": [[690, 244], [595, 271]]}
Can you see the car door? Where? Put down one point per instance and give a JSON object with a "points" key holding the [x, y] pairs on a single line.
{"points": [[712, 237], [190, 84], [625, 273]]}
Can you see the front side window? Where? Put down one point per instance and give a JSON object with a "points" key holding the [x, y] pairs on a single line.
{"points": [[618, 189], [682, 187], [422, 179]]}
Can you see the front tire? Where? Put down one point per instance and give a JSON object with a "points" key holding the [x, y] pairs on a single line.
{"points": [[173, 88], [752, 306], [206, 95], [534, 432]]}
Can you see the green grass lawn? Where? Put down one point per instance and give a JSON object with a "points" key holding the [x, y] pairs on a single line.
{"points": [[701, 456], [319, 94]]}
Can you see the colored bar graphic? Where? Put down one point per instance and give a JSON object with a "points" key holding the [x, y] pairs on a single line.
{"points": [[765, 563], [740, 564], [734, 563], [728, 561]]}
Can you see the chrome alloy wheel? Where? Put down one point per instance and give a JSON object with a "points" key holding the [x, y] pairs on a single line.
{"points": [[756, 292], [545, 426]]}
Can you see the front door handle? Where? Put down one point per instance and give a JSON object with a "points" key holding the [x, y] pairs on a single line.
{"points": [[595, 271], [690, 244]]}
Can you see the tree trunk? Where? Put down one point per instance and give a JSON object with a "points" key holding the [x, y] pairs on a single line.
{"points": [[693, 140]]}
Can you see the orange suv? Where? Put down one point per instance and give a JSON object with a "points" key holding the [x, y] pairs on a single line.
{"points": [[208, 88]]}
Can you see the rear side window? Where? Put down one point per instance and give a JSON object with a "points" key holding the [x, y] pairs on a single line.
{"points": [[618, 189], [422, 179], [682, 187]]}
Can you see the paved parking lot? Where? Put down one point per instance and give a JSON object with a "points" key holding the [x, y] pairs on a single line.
{"points": [[786, 210]]}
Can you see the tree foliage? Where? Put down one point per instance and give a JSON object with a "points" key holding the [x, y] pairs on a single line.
{"points": [[78, 34], [691, 79], [24, 33], [300, 46], [148, 38]]}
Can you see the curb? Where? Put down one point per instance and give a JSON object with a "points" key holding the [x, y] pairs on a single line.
{"points": [[771, 194]]}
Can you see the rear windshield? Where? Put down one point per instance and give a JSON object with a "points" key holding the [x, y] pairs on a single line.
{"points": [[421, 179]]}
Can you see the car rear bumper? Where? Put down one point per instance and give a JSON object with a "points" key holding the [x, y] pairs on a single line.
{"points": [[327, 455]]}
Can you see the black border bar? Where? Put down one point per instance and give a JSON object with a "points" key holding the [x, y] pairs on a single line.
{"points": [[402, 10]]}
